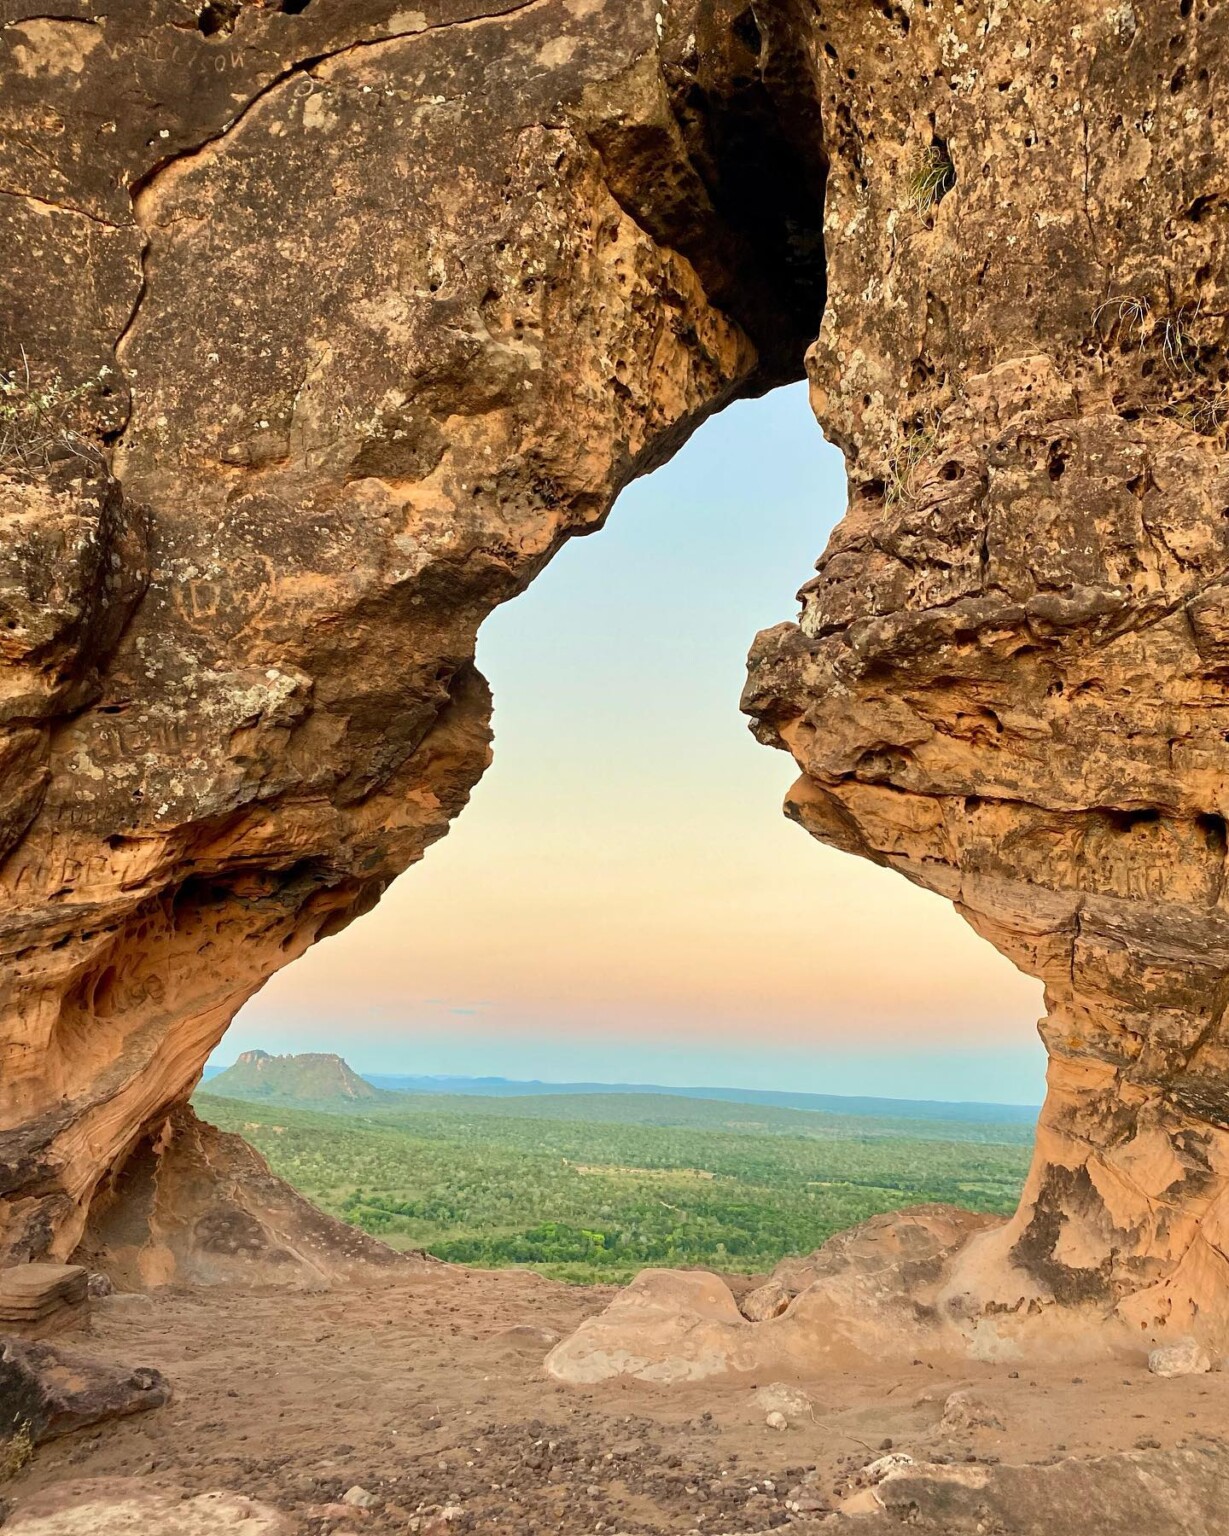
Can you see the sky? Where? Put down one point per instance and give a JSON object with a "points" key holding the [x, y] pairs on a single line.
{"points": [[623, 899]]}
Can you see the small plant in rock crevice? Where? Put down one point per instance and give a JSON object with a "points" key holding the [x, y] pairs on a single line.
{"points": [[1177, 342], [36, 420], [16, 1451], [917, 443], [1132, 318], [1203, 411], [933, 180], [1128, 312], [1191, 392]]}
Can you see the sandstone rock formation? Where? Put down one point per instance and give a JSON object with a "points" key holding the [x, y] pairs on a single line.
{"points": [[1169, 1493], [667, 1326], [1008, 678], [881, 1290], [375, 307], [379, 306], [200, 1206], [41, 1300], [47, 1391], [900, 1251]]}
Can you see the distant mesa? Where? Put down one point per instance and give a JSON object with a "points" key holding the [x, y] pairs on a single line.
{"points": [[319, 1078]]}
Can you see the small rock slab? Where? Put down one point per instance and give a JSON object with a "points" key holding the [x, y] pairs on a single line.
{"points": [[779, 1397], [766, 1301], [968, 1410], [128, 1506], [1160, 1493], [35, 1298], [47, 1391], [359, 1497]]}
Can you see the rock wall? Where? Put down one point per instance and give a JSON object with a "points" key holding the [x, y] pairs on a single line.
{"points": [[360, 311], [1008, 680], [326, 324]]}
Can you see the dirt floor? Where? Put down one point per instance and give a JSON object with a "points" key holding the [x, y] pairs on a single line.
{"points": [[430, 1393]]}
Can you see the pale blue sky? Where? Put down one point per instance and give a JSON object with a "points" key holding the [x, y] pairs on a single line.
{"points": [[623, 898]]}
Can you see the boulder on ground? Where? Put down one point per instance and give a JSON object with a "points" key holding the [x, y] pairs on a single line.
{"points": [[666, 1326], [764, 1302], [47, 1391], [778, 1397], [869, 1293], [968, 1410], [883, 1466], [1185, 1358], [359, 1497]]}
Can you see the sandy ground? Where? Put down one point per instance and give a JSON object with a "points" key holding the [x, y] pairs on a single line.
{"points": [[430, 1392]]}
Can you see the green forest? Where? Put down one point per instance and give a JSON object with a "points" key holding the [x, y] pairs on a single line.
{"points": [[595, 1187]]}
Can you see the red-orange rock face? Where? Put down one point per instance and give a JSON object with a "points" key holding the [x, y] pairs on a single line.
{"points": [[365, 310], [1008, 679]]}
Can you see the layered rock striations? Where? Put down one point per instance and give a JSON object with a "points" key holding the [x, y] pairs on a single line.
{"points": [[357, 312], [325, 325], [1008, 680]]}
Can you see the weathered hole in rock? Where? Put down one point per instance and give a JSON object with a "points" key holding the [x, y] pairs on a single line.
{"points": [[653, 198], [591, 888]]}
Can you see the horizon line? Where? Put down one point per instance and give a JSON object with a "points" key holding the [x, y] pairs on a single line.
{"points": [[661, 1089]]}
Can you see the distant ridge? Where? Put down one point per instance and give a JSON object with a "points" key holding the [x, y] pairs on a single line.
{"points": [[316, 1078], [829, 1103], [321, 1080]]}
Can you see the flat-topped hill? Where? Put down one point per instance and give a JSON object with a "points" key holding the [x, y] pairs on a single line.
{"points": [[311, 1078]]}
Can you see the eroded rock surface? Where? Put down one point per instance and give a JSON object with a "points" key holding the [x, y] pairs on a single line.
{"points": [[379, 306], [125, 1506], [901, 1251], [1008, 678], [1170, 1493], [868, 1294], [376, 307], [199, 1206], [38, 1300]]}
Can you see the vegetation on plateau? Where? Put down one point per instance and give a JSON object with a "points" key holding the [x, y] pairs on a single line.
{"points": [[594, 1187]]}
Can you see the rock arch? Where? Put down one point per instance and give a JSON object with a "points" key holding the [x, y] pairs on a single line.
{"points": [[381, 305]]}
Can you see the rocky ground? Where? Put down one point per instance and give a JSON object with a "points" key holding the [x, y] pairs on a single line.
{"points": [[429, 1395]]}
